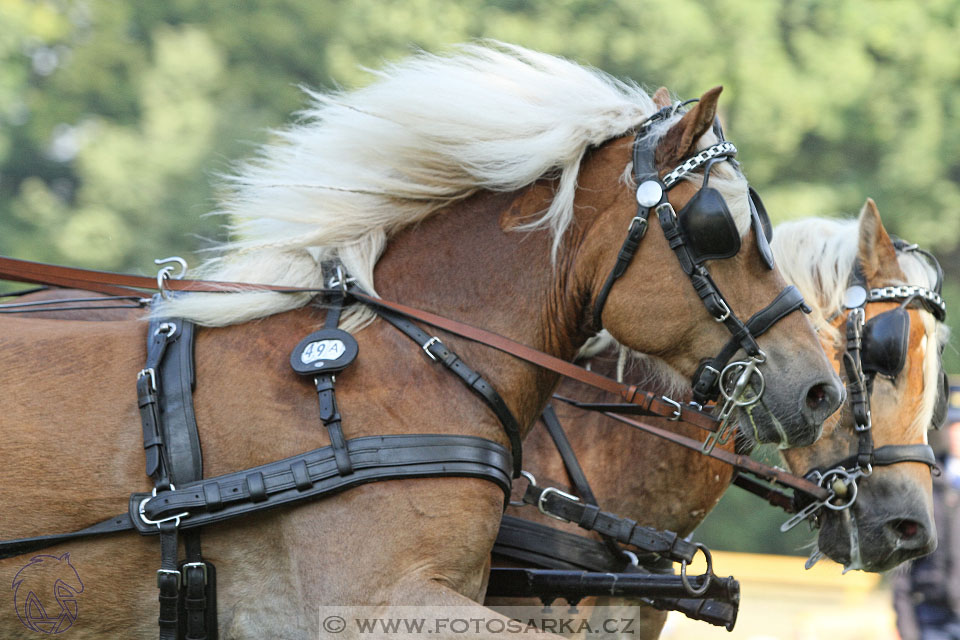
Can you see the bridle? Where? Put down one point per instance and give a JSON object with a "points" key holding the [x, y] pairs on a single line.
{"points": [[704, 230], [875, 347]]}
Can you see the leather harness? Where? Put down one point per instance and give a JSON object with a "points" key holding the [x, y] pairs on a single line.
{"points": [[182, 500]]}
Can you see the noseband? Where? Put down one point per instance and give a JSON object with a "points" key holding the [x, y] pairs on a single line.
{"points": [[874, 347], [693, 237]]}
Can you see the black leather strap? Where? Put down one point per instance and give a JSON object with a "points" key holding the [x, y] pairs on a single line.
{"points": [[567, 454], [635, 233], [893, 454], [665, 543], [374, 458], [708, 375], [176, 381], [474, 381], [550, 548], [168, 581], [116, 524]]}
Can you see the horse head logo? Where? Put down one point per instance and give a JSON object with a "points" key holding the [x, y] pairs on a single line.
{"points": [[45, 593]]}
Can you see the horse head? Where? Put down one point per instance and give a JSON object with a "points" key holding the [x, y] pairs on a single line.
{"points": [[882, 514], [706, 227]]}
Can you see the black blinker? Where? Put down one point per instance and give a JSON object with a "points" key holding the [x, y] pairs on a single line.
{"points": [[942, 406], [885, 340], [708, 227], [762, 228]]}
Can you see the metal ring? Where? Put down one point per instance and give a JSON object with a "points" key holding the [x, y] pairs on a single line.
{"points": [[168, 328], [631, 557], [851, 482], [533, 482], [749, 401], [708, 575]]}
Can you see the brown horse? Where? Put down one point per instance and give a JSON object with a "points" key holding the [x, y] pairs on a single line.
{"points": [[445, 167], [666, 486]]}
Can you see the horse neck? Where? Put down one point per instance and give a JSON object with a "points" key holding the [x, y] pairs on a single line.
{"points": [[460, 263]]}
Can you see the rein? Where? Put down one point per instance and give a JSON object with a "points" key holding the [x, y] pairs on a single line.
{"points": [[122, 285]]}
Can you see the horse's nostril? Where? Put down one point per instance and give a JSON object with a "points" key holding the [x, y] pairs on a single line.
{"points": [[906, 529], [820, 400], [816, 396]]}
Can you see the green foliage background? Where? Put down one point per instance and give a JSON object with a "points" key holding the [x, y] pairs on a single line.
{"points": [[116, 117]]}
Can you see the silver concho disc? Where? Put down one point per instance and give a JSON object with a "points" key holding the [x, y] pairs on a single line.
{"points": [[649, 193], [854, 297]]}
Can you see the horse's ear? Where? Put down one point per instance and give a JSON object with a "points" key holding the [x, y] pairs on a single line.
{"points": [[661, 97], [876, 253], [681, 140]]}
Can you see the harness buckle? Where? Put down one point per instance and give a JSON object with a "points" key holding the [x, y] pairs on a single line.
{"points": [[532, 482], [726, 311], [153, 385], [146, 520], [190, 565], [677, 409], [641, 226], [171, 572], [429, 343], [553, 490]]}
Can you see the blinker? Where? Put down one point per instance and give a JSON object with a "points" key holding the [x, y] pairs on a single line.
{"points": [[709, 229], [762, 228], [885, 340]]}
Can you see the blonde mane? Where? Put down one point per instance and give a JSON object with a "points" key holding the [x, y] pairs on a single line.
{"points": [[817, 256], [429, 131], [361, 165]]}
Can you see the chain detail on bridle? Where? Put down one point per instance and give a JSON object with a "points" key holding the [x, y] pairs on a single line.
{"points": [[903, 292], [841, 479], [724, 148]]}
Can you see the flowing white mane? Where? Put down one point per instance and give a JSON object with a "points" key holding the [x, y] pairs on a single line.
{"points": [[817, 256], [429, 131]]}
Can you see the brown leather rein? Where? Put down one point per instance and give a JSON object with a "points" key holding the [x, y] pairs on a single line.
{"points": [[120, 284], [129, 285]]}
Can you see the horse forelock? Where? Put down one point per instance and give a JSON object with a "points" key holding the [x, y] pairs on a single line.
{"points": [[427, 132]]}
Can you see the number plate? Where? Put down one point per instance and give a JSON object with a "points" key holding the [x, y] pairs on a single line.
{"points": [[327, 350]]}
